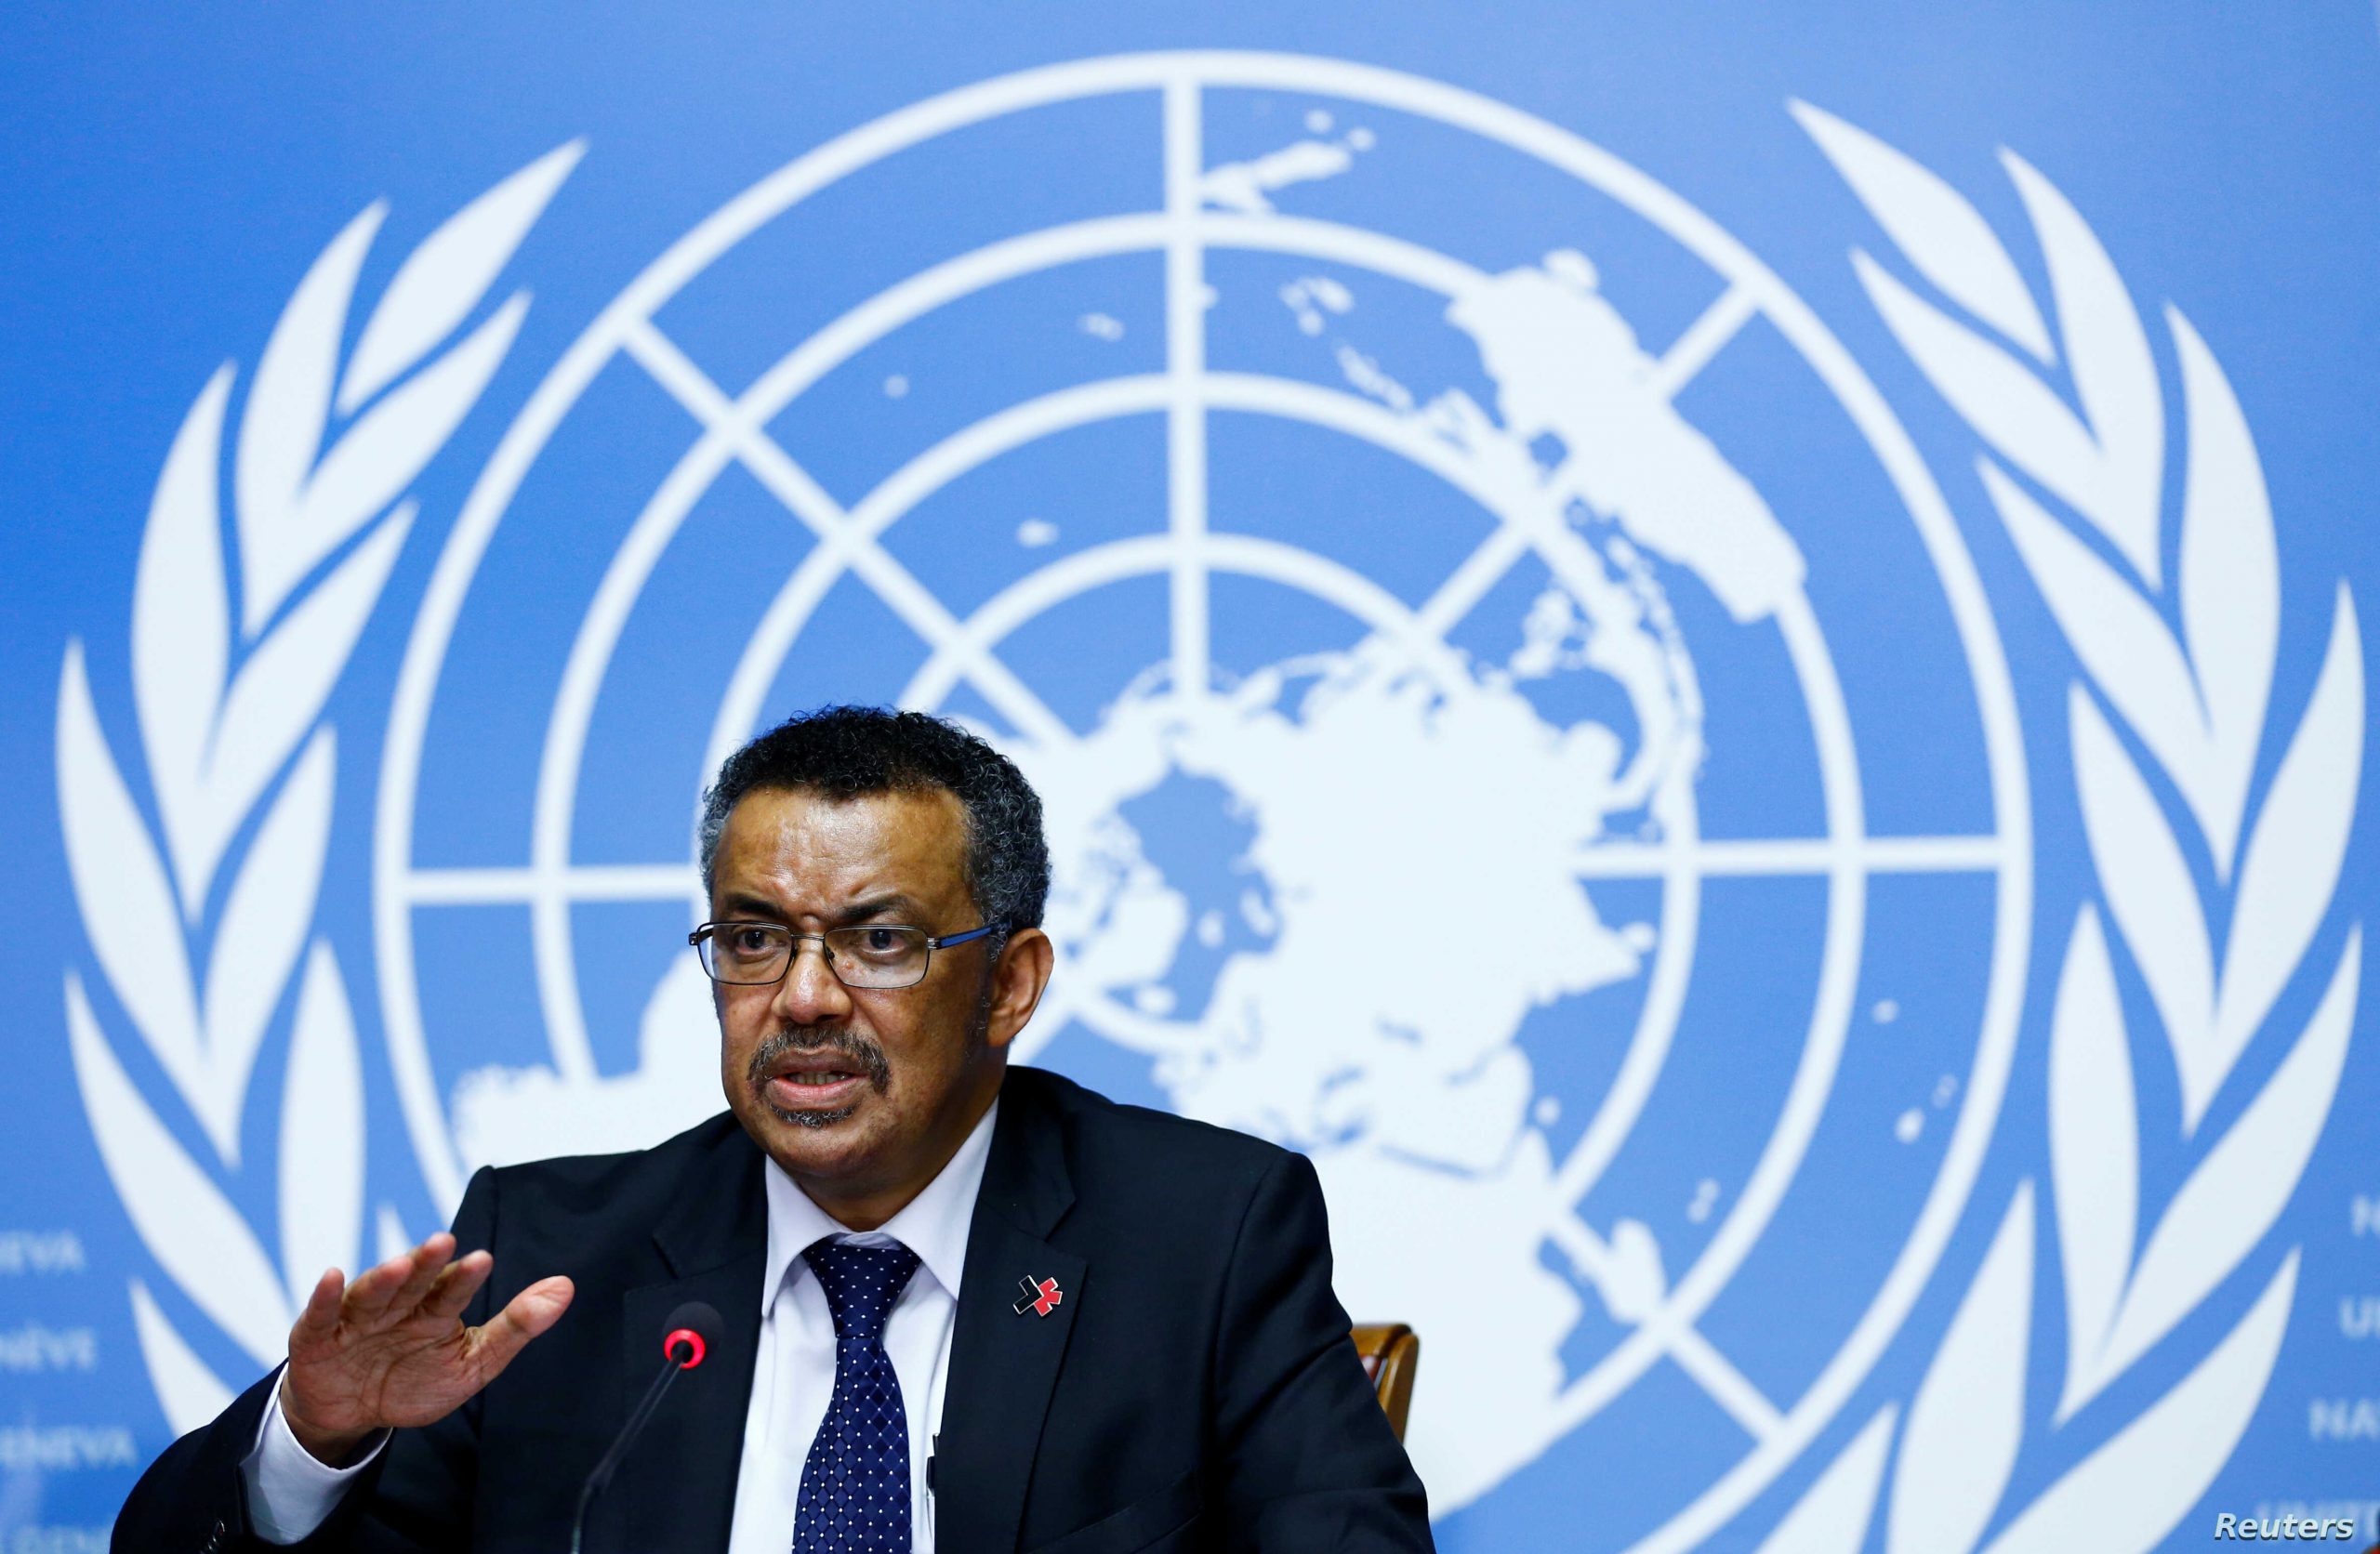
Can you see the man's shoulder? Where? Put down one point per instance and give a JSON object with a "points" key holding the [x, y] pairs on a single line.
{"points": [[634, 1184], [1121, 1148], [1156, 1196]]}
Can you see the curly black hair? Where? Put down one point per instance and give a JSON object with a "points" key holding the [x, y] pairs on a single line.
{"points": [[844, 752]]}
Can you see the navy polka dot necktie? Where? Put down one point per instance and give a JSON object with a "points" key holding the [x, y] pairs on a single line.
{"points": [[855, 1486]]}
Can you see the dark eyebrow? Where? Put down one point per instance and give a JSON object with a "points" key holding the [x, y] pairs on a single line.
{"points": [[742, 907], [876, 906]]}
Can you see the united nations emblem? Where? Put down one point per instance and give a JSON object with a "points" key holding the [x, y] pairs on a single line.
{"points": [[1519, 719]]}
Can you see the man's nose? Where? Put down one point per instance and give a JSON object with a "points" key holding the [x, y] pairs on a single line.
{"points": [[810, 993]]}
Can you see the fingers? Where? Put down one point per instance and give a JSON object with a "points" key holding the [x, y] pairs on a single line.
{"points": [[398, 1285], [368, 1293], [531, 1312], [428, 1260], [319, 1318], [455, 1287]]}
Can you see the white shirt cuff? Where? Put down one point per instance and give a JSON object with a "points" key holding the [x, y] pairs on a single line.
{"points": [[290, 1493]]}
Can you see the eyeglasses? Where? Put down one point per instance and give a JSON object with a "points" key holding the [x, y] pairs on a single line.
{"points": [[869, 956]]}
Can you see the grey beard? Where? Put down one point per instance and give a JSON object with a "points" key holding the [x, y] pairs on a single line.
{"points": [[865, 1054], [812, 1120]]}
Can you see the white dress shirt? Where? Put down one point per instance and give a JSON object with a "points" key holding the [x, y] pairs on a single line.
{"points": [[793, 1373], [290, 1493]]}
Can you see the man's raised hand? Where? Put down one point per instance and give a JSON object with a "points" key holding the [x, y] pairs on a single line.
{"points": [[390, 1350]]}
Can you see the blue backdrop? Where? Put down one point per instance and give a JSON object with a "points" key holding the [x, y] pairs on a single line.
{"points": [[1714, 651]]}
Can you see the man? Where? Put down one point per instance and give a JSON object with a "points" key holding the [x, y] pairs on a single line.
{"points": [[966, 1307]]}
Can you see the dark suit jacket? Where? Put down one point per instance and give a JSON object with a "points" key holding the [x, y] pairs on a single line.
{"points": [[1196, 1389]]}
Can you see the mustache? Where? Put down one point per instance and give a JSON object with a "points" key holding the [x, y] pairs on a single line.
{"points": [[866, 1054]]}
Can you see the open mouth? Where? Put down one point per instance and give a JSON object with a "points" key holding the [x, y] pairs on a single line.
{"points": [[817, 1077], [814, 1089]]}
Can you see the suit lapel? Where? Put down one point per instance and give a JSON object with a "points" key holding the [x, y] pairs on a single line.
{"points": [[1003, 1364], [677, 1488]]}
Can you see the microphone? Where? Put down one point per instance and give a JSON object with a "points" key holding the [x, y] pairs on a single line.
{"points": [[686, 1338]]}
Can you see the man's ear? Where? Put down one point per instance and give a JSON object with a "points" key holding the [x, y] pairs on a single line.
{"points": [[1018, 979]]}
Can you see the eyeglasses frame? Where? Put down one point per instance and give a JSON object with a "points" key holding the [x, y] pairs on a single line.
{"points": [[794, 942]]}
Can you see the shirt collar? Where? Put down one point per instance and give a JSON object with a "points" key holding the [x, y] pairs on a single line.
{"points": [[933, 1224]]}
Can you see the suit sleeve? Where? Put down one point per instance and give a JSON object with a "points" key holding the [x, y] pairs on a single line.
{"points": [[1308, 1462], [414, 1497]]}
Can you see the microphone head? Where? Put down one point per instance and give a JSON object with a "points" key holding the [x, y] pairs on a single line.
{"points": [[688, 1333]]}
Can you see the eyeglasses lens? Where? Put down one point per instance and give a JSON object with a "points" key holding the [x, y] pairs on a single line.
{"points": [[869, 955]]}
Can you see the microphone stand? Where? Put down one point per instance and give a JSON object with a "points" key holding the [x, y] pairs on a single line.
{"points": [[675, 1360]]}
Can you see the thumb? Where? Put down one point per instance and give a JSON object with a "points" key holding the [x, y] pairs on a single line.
{"points": [[531, 1312]]}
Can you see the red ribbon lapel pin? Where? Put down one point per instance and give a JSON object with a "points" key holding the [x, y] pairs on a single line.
{"points": [[1040, 1296]]}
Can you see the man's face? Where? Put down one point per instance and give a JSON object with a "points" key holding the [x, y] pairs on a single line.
{"points": [[862, 1094]]}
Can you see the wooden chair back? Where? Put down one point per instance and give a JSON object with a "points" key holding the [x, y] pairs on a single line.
{"points": [[1391, 1353]]}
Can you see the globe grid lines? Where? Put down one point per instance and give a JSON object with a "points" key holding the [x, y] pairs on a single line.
{"points": [[1184, 151], [1189, 548], [2004, 850], [1329, 408], [732, 430]]}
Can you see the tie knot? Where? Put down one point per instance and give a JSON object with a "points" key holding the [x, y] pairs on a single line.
{"points": [[861, 1284]]}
